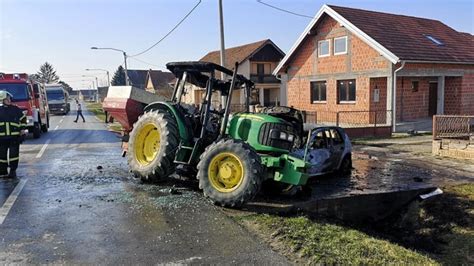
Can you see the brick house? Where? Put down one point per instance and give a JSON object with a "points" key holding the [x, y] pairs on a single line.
{"points": [[256, 61], [363, 67]]}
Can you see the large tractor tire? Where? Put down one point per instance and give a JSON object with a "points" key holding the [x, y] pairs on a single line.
{"points": [[230, 173], [152, 146]]}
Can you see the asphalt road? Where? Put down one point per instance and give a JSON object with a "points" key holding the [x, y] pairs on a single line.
{"points": [[75, 202]]}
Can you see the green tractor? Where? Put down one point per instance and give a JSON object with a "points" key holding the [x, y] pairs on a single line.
{"points": [[233, 154]]}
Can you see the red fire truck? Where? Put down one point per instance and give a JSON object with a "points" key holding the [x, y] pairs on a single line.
{"points": [[30, 96]]}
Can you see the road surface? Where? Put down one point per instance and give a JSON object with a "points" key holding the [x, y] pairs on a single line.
{"points": [[75, 202]]}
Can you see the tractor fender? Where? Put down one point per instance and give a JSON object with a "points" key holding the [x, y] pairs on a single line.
{"points": [[180, 120]]}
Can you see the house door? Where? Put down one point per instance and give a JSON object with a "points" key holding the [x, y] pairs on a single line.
{"points": [[433, 99]]}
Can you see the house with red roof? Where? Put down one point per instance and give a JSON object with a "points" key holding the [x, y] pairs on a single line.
{"points": [[360, 67], [160, 82], [257, 61]]}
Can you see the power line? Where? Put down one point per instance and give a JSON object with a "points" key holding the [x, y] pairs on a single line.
{"points": [[144, 62], [284, 10], [167, 34]]}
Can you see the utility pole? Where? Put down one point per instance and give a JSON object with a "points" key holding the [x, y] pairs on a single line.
{"points": [[108, 79], [221, 25], [221, 28], [127, 81]]}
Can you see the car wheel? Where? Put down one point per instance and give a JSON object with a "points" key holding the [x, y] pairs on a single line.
{"points": [[346, 164]]}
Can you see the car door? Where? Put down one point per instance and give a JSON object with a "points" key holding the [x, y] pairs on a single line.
{"points": [[336, 146], [318, 153]]}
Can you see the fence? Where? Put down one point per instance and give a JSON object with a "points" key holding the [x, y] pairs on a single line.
{"points": [[350, 119], [453, 127]]}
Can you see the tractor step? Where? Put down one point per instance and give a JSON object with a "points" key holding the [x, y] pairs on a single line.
{"points": [[189, 148]]}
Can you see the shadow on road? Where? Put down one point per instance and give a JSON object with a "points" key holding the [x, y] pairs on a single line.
{"points": [[6, 187]]}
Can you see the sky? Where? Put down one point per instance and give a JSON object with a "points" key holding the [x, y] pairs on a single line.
{"points": [[61, 32]]}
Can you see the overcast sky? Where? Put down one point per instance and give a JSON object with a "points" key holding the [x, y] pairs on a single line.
{"points": [[62, 32]]}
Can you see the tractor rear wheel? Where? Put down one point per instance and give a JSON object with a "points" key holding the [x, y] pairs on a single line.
{"points": [[230, 173], [152, 146]]}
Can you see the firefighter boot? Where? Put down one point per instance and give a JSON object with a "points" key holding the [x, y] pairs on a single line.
{"points": [[12, 174]]}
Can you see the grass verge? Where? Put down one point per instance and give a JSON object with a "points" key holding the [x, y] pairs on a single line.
{"points": [[96, 109], [436, 232], [306, 241]]}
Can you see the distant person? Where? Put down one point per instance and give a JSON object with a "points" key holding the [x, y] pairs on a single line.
{"points": [[12, 131], [79, 112]]}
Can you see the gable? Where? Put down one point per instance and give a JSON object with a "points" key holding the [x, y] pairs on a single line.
{"points": [[268, 53], [243, 52]]}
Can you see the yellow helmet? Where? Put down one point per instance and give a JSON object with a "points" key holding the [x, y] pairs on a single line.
{"points": [[4, 94]]}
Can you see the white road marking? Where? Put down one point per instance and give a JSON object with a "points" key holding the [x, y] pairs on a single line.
{"points": [[60, 121], [5, 209], [40, 153], [63, 116], [56, 127]]}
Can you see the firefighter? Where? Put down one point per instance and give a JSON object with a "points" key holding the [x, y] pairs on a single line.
{"points": [[12, 130]]}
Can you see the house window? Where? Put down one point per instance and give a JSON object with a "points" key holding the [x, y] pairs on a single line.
{"points": [[414, 86], [318, 91], [340, 45], [323, 48], [346, 90]]}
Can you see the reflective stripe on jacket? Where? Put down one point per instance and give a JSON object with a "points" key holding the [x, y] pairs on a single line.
{"points": [[12, 121]]}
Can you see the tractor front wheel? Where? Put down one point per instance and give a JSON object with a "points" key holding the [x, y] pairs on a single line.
{"points": [[230, 173], [152, 146]]}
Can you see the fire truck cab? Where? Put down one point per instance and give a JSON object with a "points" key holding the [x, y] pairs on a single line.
{"points": [[31, 97]]}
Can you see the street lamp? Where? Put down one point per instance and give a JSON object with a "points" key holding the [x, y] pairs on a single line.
{"points": [[127, 81], [98, 69], [96, 80]]}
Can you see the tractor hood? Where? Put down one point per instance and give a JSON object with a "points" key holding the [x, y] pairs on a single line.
{"points": [[265, 133]]}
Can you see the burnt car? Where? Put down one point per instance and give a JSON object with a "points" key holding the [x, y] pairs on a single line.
{"points": [[328, 149]]}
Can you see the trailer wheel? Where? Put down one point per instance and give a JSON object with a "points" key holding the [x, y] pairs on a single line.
{"points": [[152, 146], [230, 173]]}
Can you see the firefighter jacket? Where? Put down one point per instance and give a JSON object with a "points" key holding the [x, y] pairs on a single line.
{"points": [[12, 121]]}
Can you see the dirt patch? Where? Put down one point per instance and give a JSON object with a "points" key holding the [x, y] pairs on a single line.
{"points": [[444, 227]]}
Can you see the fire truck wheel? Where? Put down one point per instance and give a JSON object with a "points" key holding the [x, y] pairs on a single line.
{"points": [[152, 146], [37, 130], [45, 127]]}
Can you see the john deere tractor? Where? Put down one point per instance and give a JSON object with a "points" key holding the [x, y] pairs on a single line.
{"points": [[232, 154]]}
